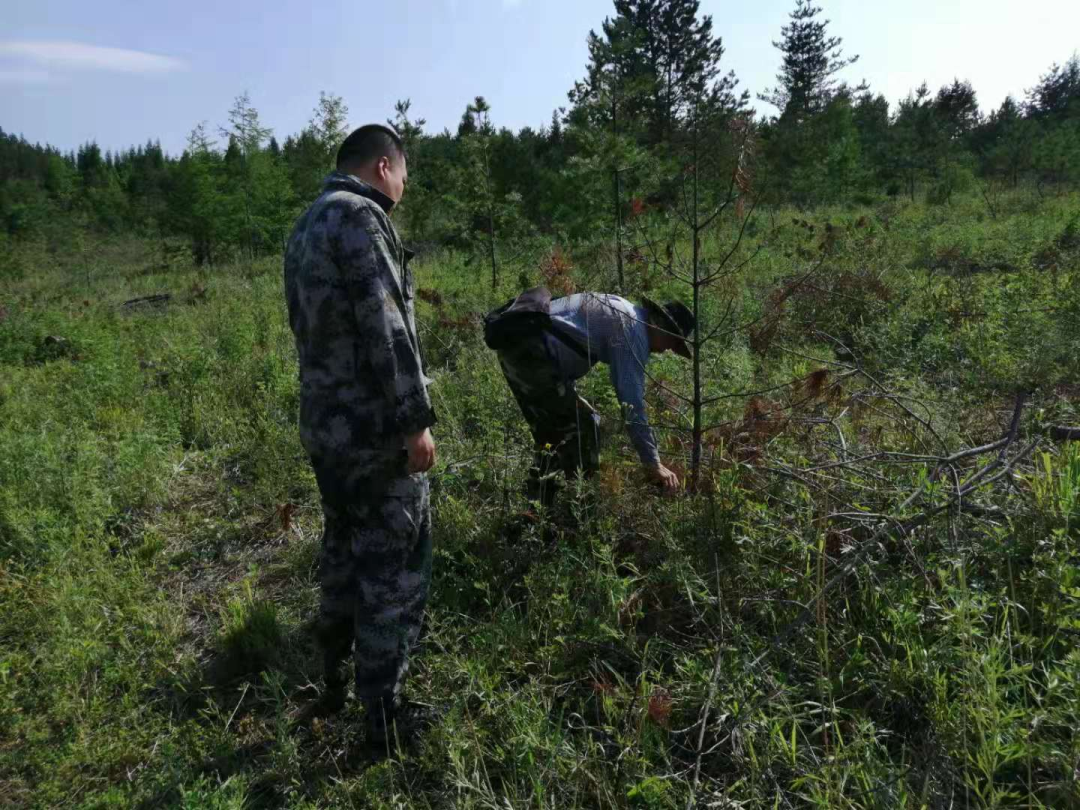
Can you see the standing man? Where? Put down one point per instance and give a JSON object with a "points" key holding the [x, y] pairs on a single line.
{"points": [[365, 416], [541, 370]]}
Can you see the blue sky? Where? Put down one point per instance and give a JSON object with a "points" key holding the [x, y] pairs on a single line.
{"points": [[120, 71]]}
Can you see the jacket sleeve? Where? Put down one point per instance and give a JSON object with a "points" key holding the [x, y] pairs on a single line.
{"points": [[627, 366], [385, 339]]}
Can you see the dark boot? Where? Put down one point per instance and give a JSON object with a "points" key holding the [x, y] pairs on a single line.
{"points": [[335, 685], [390, 718]]}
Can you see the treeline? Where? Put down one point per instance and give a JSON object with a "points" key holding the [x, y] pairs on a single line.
{"points": [[654, 76]]}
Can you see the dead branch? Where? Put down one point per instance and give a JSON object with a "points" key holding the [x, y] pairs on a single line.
{"points": [[901, 528]]}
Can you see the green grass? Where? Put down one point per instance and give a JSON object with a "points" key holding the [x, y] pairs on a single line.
{"points": [[159, 531]]}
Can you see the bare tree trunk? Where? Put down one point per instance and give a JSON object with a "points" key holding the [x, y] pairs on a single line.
{"points": [[617, 190], [491, 216], [618, 229], [491, 246], [695, 231], [669, 105]]}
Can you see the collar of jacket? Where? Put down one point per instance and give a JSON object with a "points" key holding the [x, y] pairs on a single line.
{"points": [[340, 181]]}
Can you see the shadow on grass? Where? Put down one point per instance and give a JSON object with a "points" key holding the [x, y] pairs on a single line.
{"points": [[249, 694]]}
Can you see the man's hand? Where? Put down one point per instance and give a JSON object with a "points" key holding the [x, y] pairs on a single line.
{"points": [[661, 475], [421, 449]]}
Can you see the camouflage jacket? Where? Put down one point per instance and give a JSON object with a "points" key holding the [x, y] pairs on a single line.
{"points": [[350, 298]]}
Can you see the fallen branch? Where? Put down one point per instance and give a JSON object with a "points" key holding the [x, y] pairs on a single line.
{"points": [[1000, 466], [957, 501], [703, 722], [148, 300]]}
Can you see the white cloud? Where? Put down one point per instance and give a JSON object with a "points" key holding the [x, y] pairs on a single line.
{"points": [[60, 54], [23, 76]]}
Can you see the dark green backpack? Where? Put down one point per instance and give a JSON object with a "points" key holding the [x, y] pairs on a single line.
{"points": [[523, 318]]}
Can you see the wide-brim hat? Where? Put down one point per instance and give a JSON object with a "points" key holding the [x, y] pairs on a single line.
{"points": [[676, 319]]}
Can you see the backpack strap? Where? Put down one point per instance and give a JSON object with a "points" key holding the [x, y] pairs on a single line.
{"points": [[568, 341]]}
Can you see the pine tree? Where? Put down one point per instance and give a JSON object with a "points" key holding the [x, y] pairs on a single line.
{"points": [[258, 196], [467, 124], [811, 59], [842, 168], [245, 127], [871, 118], [957, 110], [1056, 155], [489, 214], [199, 141], [408, 129], [477, 180], [802, 154], [714, 176], [59, 179], [605, 102], [234, 157], [329, 125], [312, 154], [196, 206], [1057, 94], [654, 63], [669, 54], [91, 165], [1054, 106], [305, 160], [416, 209], [555, 131], [1006, 142], [914, 137], [273, 205]]}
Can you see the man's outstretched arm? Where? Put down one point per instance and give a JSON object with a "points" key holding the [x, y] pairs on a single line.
{"points": [[628, 378]]}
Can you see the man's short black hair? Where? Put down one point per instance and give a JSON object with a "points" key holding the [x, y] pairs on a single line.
{"points": [[369, 143]]}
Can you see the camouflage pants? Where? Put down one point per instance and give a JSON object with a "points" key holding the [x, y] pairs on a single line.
{"points": [[565, 428], [375, 573]]}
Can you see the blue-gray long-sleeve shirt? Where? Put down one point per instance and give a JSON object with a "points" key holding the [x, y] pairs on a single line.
{"points": [[615, 332]]}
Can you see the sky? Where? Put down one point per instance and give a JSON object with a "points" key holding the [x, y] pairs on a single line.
{"points": [[122, 72]]}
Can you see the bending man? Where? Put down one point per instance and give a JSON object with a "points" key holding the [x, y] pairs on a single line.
{"points": [[586, 329]]}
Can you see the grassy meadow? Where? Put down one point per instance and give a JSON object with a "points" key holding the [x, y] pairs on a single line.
{"points": [[849, 612]]}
